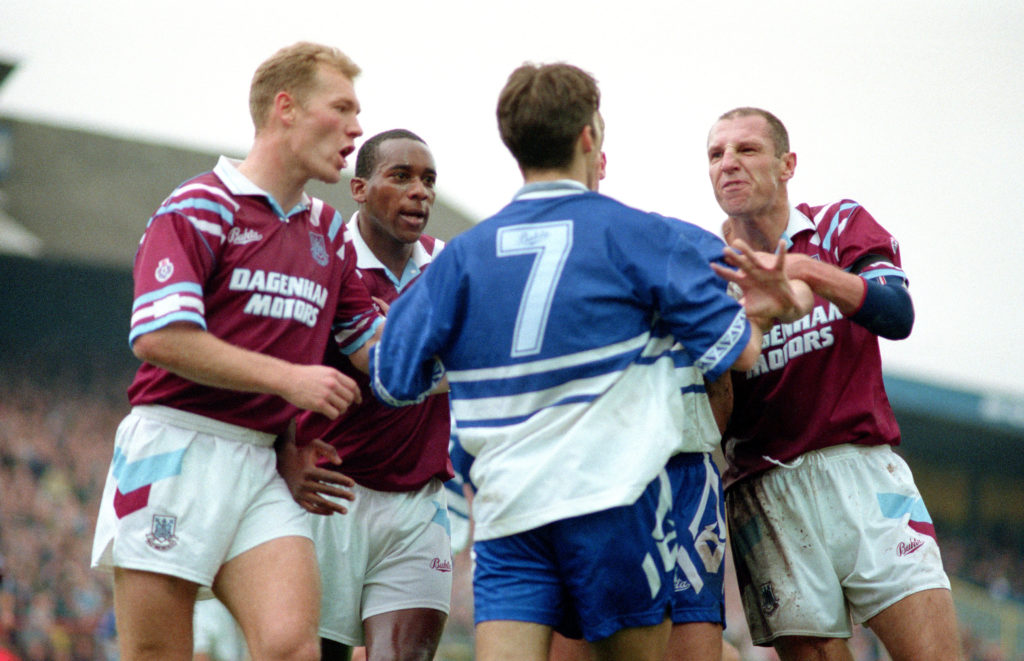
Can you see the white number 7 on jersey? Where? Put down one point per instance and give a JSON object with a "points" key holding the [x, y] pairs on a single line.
{"points": [[550, 244]]}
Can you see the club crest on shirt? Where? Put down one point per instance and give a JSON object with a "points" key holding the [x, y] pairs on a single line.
{"points": [[769, 602], [164, 270], [318, 247], [162, 535]]}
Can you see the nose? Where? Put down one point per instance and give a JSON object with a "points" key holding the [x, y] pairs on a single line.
{"points": [[419, 190], [354, 129], [729, 161]]}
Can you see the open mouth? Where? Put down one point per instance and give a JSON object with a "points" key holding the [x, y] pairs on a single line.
{"points": [[414, 216]]}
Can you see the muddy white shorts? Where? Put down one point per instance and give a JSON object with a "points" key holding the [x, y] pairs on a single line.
{"points": [[839, 532], [392, 551], [186, 493]]}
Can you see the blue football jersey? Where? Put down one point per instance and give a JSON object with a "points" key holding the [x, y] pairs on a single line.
{"points": [[556, 322]]}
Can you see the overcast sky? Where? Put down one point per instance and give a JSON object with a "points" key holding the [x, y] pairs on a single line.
{"points": [[911, 108]]}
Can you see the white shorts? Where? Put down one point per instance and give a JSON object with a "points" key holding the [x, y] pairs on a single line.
{"points": [[839, 532], [186, 493], [392, 551]]}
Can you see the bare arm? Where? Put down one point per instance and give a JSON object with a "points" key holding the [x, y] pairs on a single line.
{"points": [[199, 356], [361, 357], [830, 282], [720, 397]]}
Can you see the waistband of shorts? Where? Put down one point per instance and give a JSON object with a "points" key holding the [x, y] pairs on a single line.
{"points": [[838, 451], [201, 423]]}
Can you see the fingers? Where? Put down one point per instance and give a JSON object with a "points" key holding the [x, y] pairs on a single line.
{"points": [[780, 256], [319, 489], [313, 492], [342, 392], [325, 451], [726, 273], [320, 479], [316, 504]]}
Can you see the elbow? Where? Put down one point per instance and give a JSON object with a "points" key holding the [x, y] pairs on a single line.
{"points": [[897, 328], [146, 347], [887, 311]]}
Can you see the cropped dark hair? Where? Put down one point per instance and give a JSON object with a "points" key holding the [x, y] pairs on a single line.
{"points": [[366, 159]]}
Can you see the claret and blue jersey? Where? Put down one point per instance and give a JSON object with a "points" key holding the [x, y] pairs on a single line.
{"points": [[555, 322]]}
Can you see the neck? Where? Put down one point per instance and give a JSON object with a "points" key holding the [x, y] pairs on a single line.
{"points": [[392, 253], [265, 167], [576, 171], [761, 231]]}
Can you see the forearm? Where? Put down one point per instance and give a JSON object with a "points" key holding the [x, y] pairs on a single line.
{"points": [[845, 290], [748, 357], [360, 358], [721, 399], [200, 356]]}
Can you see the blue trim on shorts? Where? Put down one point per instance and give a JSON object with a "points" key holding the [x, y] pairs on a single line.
{"points": [[698, 514], [588, 576]]}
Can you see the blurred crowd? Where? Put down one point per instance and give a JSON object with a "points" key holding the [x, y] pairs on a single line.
{"points": [[55, 445], [56, 436]]}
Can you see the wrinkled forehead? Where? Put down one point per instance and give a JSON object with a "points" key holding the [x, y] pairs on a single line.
{"points": [[735, 130]]}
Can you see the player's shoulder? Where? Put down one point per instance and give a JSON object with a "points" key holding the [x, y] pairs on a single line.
{"points": [[204, 190], [831, 214], [203, 200], [691, 231], [431, 244], [325, 218]]}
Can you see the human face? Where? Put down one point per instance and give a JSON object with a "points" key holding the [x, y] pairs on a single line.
{"points": [[325, 126], [748, 178], [397, 197]]}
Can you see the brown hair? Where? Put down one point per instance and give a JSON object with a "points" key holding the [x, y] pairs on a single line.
{"points": [[541, 111], [293, 69]]}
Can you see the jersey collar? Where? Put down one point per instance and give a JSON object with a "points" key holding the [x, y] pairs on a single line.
{"points": [[542, 189], [239, 184], [365, 259], [798, 222]]}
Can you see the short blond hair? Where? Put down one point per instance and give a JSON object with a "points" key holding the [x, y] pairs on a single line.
{"points": [[293, 69]]}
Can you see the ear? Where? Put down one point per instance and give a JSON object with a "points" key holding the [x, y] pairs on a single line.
{"points": [[788, 166], [285, 106], [358, 188], [586, 140]]}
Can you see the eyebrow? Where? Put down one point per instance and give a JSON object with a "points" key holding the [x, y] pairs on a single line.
{"points": [[405, 166]]}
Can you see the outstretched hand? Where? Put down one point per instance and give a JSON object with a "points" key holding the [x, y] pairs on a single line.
{"points": [[306, 480], [767, 292]]}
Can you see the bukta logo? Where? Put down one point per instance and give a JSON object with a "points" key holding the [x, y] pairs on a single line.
{"points": [[441, 565], [906, 549]]}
